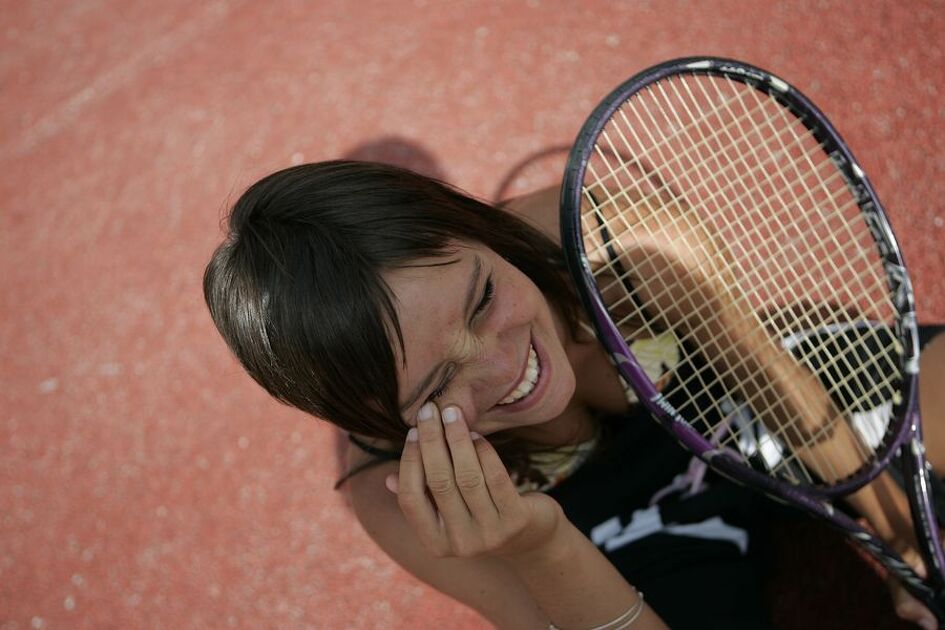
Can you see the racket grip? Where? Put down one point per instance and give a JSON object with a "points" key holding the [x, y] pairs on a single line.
{"points": [[918, 484]]}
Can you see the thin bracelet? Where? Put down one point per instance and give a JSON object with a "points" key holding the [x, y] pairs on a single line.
{"points": [[620, 623]]}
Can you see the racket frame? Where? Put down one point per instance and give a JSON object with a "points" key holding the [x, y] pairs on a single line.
{"points": [[906, 427]]}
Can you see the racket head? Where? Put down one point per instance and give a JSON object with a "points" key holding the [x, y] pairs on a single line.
{"points": [[648, 164]]}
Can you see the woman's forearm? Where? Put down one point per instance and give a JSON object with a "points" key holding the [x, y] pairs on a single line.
{"points": [[576, 585]]}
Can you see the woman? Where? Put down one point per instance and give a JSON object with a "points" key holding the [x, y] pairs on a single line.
{"points": [[420, 321]]}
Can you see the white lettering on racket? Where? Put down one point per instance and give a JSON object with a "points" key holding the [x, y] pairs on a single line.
{"points": [[667, 408], [845, 166], [878, 228], [745, 72], [899, 285], [907, 328]]}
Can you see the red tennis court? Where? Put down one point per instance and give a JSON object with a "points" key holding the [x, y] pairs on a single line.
{"points": [[145, 480]]}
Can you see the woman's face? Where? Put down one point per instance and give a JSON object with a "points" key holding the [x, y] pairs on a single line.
{"points": [[479, 334]]}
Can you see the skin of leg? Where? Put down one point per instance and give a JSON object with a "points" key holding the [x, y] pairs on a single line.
{"points": [[932, 401], [884, 502]]}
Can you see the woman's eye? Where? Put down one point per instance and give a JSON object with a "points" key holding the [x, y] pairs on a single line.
{"points": [[487, 295], [436, 393], [442, 387]]}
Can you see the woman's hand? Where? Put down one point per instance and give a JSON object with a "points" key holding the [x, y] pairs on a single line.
{"points": [[908, 607], [475, 508], [455, 492], [886, 507]]}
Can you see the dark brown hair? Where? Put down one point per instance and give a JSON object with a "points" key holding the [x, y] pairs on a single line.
{"points": [[296, 287]]}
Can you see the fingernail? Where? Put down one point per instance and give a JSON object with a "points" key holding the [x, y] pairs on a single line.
{"points": [[392, 483], [426, 411], [450, 414], [474, 435], [928, 624], [412, 434]]}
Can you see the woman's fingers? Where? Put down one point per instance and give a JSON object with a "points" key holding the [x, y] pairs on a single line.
{"points": [[412, 497], [914, 559], [467, 470], [504, 495], [476, 507], [438, 469], [908, 607]]}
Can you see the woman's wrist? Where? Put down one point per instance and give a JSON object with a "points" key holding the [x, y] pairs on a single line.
{"points": [[576, 585], [556, 549]]}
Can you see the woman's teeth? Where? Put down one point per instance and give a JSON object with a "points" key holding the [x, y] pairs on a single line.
{"points": [[527, 384]]}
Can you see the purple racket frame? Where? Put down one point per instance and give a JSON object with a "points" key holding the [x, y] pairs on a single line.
{"points": [[905, 432]]}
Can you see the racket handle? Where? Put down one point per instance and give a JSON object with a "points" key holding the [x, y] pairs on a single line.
{"points": [[927, 533], [929, 591]]}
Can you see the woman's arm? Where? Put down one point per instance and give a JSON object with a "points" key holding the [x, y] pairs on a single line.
{"points": [[885, 504], [524, 566], [686, 273], [705, 305]]}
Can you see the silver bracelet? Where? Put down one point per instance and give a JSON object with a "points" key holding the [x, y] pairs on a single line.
{"points": [[620, 623]]}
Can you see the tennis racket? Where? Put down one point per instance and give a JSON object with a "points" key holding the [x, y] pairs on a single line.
{"points": [[708, 204]]}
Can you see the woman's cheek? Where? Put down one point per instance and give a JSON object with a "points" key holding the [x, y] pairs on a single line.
{"points": [[566, 386]]}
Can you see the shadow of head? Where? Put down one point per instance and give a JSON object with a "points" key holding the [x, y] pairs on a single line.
{"points": [[398, 152]]}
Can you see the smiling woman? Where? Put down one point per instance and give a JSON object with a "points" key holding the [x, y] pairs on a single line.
{"points": [[343, 226], [475, 339], [443, 335]]}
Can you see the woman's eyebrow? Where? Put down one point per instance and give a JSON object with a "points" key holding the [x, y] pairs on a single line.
{"points": [[467, 311]]}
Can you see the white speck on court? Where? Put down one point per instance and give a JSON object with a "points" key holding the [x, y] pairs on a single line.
{"points": [[49, 385], [110, 369]]}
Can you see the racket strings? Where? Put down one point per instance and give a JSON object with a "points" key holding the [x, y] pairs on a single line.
{"points": [[762, 169], [738, 223], [705, 386], [769, 119], [703, 416], [791, 124], [807, 154], [790, 235], [847, 209], [722, 192], [775, 258]]}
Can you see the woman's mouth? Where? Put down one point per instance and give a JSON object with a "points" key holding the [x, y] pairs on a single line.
{"points": [[528, 380]]}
